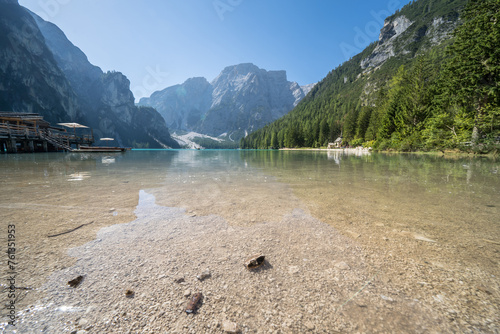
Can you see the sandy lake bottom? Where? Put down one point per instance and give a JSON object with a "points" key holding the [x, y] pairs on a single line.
{"points": [[353, 244]]}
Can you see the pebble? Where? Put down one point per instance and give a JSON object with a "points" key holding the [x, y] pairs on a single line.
{"points": [[293, 270], [204, 275], [309, 325], [187, 293], [342, 266], [230, 327], [389, 299], [83, 322]]}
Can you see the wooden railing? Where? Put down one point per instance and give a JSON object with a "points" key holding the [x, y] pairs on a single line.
{"points": [[29, 131], [18, 130]]}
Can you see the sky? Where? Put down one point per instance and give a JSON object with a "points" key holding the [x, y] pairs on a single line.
{"points": [[160, 43]]}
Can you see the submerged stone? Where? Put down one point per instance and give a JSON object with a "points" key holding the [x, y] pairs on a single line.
{"points": [[194, 302], [255, 261], [76, 281]]}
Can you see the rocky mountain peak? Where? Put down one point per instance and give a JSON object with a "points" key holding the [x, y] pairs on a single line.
{"points": [[196, 82], [238, 70], [240, 99]]}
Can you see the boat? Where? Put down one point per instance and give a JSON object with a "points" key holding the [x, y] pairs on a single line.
{"points": [[101, 149]]}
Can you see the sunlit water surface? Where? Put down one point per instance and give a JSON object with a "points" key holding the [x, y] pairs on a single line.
{"points": [[428, 226]]}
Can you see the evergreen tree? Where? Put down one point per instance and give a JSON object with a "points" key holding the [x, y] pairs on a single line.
{"points": [[363, 122], [393, 115], [274, 140], [473, 72], [324, 132], [350, 122]]}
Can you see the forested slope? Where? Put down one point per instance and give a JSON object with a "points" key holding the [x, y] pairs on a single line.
{"points": [[432, 86]]}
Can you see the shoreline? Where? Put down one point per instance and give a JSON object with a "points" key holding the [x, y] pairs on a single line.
{"points": [[446, 153]]}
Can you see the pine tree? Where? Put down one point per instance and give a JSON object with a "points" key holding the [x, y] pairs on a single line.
{"points": [[473, 72], [274, 141], [324, 132]]}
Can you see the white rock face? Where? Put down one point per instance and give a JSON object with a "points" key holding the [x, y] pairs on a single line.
{"points": [[440, 30], [307, 88], [241, 99], [388, 35]]}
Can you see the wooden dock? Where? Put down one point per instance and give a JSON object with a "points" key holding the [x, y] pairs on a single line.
{"points": [[29, 132]]}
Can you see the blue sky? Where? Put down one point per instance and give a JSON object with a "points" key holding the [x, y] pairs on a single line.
{"points": [[160, 43]]}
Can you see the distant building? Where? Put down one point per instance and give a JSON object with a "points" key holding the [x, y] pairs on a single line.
{"points": [[336, 144]]}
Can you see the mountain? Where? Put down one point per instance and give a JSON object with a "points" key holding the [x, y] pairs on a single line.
{"points": [[30, 79], [241, 99], [182, 106], [43, 72], [401, 92]]}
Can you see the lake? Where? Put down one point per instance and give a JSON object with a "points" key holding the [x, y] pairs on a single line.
{"points": [[353, 242]]}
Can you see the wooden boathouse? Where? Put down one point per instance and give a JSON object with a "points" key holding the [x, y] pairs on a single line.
{"points": [[28, 132]]}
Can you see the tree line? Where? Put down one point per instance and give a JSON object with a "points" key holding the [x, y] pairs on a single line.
{"points": [[445, 98]]}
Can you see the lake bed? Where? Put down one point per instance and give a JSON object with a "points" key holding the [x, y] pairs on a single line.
{"points": [[353, 243]]}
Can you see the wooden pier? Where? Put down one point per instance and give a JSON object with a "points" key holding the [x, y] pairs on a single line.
{"points": [[28, 132]]}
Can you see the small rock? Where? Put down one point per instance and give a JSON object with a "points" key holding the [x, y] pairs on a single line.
{"points": [[204, 275], [309, 325], [187, 293], [179, 280], [83, 322], [255, 261], [75, 282], [230, 327], [355, 235], [193, 303], [389, 299], [342, 266], [293, 270], [129, 294]]}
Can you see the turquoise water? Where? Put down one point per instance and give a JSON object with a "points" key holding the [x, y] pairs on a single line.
{"points": [[421, 220]]}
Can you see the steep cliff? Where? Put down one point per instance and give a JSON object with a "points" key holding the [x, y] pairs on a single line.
{"points": [[182, 106], [241, 99], [105, 97], [41, 71], [30, 79]]}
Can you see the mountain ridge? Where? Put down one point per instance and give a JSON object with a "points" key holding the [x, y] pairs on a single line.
{"points": [[241, 98], [395, 93], [41, 71]]}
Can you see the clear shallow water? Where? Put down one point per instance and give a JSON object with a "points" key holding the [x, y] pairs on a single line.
{"points": [[422, 220]]}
